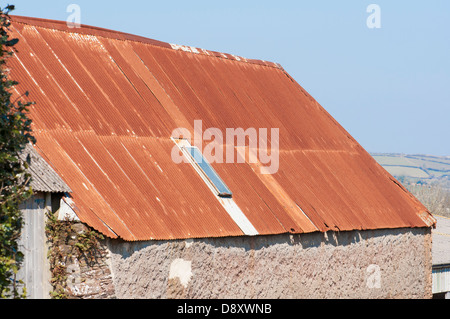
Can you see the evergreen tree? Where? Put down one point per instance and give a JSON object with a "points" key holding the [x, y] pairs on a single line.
{"points": [[15, 133]]}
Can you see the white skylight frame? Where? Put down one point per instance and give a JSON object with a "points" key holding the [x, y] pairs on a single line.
{"points": [[207, 171], [226, 201]]}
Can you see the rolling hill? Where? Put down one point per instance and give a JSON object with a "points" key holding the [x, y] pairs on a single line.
{"points": [[424, 169], [426, 177]]}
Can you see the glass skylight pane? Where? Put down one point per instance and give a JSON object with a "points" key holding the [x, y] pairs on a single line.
{"points": [[208, 171]]}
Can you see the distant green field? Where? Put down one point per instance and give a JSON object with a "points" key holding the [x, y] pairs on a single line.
{"points": [[426, 177], [424, 168], [431, 164], [393, 160], [406, 171]]}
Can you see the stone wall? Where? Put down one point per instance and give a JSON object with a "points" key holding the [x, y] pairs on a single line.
{"points": [[90, 278], [356, 264], [86, 274]]}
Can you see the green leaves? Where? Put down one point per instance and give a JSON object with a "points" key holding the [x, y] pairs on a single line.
{"points": [[15, 133], [11, 43], [66, 241]]}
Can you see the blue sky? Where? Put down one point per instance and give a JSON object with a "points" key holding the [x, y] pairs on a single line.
{"points": [[389, 87]]}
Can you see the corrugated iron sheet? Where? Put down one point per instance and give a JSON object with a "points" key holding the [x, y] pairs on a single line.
{"points": [[107, 103], [441, 278], [43, 177]]}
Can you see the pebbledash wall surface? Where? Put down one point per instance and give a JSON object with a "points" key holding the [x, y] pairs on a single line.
{"points": [[356, 264], [392, 263]]}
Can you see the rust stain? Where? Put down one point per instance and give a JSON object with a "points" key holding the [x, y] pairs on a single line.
{"points": [[107, 103]]}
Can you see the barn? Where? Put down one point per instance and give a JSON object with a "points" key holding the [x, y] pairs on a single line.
{"points": [[211, 175], [48, 190]]}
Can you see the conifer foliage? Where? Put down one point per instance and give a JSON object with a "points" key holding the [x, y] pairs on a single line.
{"points": [[15, 133]]}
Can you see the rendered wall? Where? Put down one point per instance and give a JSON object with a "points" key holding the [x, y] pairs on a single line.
{"points": [[357, 264]]}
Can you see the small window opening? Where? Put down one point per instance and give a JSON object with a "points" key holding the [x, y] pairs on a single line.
{"points": [[208, 171]]}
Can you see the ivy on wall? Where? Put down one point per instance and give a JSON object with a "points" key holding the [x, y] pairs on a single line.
{"points": [[66, 241]]}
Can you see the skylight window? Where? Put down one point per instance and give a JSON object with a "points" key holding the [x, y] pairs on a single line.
{"points": [[207, 170]]}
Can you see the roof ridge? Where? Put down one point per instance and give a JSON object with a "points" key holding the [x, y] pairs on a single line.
{"points": [[119, 35]]}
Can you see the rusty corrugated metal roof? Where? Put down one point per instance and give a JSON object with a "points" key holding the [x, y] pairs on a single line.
{"points": [[107, 103]]}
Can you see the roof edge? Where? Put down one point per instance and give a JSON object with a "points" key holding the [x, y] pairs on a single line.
{"points": [[43, 177], [108, 33]]}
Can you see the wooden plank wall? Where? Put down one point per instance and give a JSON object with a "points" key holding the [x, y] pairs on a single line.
{"points": [[35, 270]]}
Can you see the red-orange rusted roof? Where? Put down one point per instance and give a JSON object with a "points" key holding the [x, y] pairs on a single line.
{"points": [[107, 103]]}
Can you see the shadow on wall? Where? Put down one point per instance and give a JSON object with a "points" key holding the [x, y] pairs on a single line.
{"points": [[313, 265]]}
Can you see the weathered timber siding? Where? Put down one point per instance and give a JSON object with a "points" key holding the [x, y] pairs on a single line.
{"points": [[356, 264], [35, 270]]}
